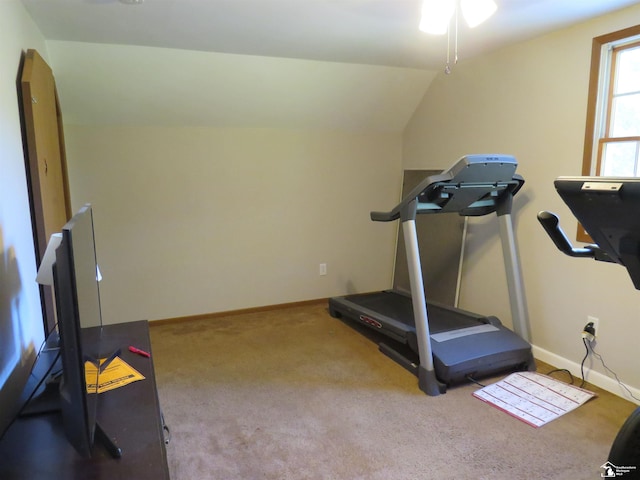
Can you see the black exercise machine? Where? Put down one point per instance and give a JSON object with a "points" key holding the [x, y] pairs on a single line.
{"points": [[609, 210], [452, 345]]}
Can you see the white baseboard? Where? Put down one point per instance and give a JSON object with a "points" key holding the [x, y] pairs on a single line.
{"points": [[609, 384]]}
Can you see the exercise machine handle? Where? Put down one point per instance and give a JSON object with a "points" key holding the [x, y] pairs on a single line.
{"points": [[551, 224], [385, 216]]}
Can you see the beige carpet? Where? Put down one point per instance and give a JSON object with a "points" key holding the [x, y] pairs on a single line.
{"points": [[297, 394]]}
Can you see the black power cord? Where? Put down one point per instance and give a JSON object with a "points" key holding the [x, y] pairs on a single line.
{"points": [[588, 336], [562, 370], [584, 359], [40, 382], [615, 375], [473, 380], [588, 333]]}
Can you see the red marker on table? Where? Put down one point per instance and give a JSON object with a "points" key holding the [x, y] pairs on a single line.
{"points": [[139, 352]]}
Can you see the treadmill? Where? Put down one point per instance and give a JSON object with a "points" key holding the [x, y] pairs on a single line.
{"points": [[444, 345]]}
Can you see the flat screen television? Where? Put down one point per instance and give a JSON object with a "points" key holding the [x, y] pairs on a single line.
{"points": [[79, 325], [77, 296]]}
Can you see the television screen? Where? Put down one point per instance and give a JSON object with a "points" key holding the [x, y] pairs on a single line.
{"points": [[79, 324]]}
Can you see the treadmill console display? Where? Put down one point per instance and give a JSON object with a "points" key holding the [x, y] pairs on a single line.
{"points": [[607, 208]]}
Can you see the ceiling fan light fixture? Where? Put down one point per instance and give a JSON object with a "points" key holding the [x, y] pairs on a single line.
{"points": [[477, 11], [436, 15]]}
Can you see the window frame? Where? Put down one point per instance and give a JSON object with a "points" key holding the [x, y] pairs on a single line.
{"points": [[590, 142]]}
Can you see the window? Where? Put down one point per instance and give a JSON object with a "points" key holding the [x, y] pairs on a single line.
{"points": [[612, 136]]}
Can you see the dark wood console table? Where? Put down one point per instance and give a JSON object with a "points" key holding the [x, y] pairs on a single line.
{"points": [[35, 447]]}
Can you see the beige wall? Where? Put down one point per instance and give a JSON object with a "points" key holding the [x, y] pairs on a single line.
{"points": [[212, 218], [197, 220], [222, 181], [20, 313], [529, 100]]}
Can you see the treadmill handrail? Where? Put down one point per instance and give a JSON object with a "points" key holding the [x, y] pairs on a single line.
{"points": [[551, 224], [434, 193]]}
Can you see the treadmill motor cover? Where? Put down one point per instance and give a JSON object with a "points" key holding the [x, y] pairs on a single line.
{"points": [[472, 354]]}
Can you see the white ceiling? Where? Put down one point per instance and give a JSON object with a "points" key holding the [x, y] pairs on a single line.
{"points": [[328, 64], [376, 32]]}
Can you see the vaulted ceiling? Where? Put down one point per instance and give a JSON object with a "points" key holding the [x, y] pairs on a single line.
{"points": [[376, 32], [359, 64]]}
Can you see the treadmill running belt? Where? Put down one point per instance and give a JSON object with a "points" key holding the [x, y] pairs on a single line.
{"points": [[399, 307]]}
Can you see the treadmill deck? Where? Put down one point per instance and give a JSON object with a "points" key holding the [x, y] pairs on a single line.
{"points": [[395, 305], [464, 344]]}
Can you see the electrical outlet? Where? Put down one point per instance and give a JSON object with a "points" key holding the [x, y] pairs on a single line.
{"points": [[596, 324], [323, 269]]}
